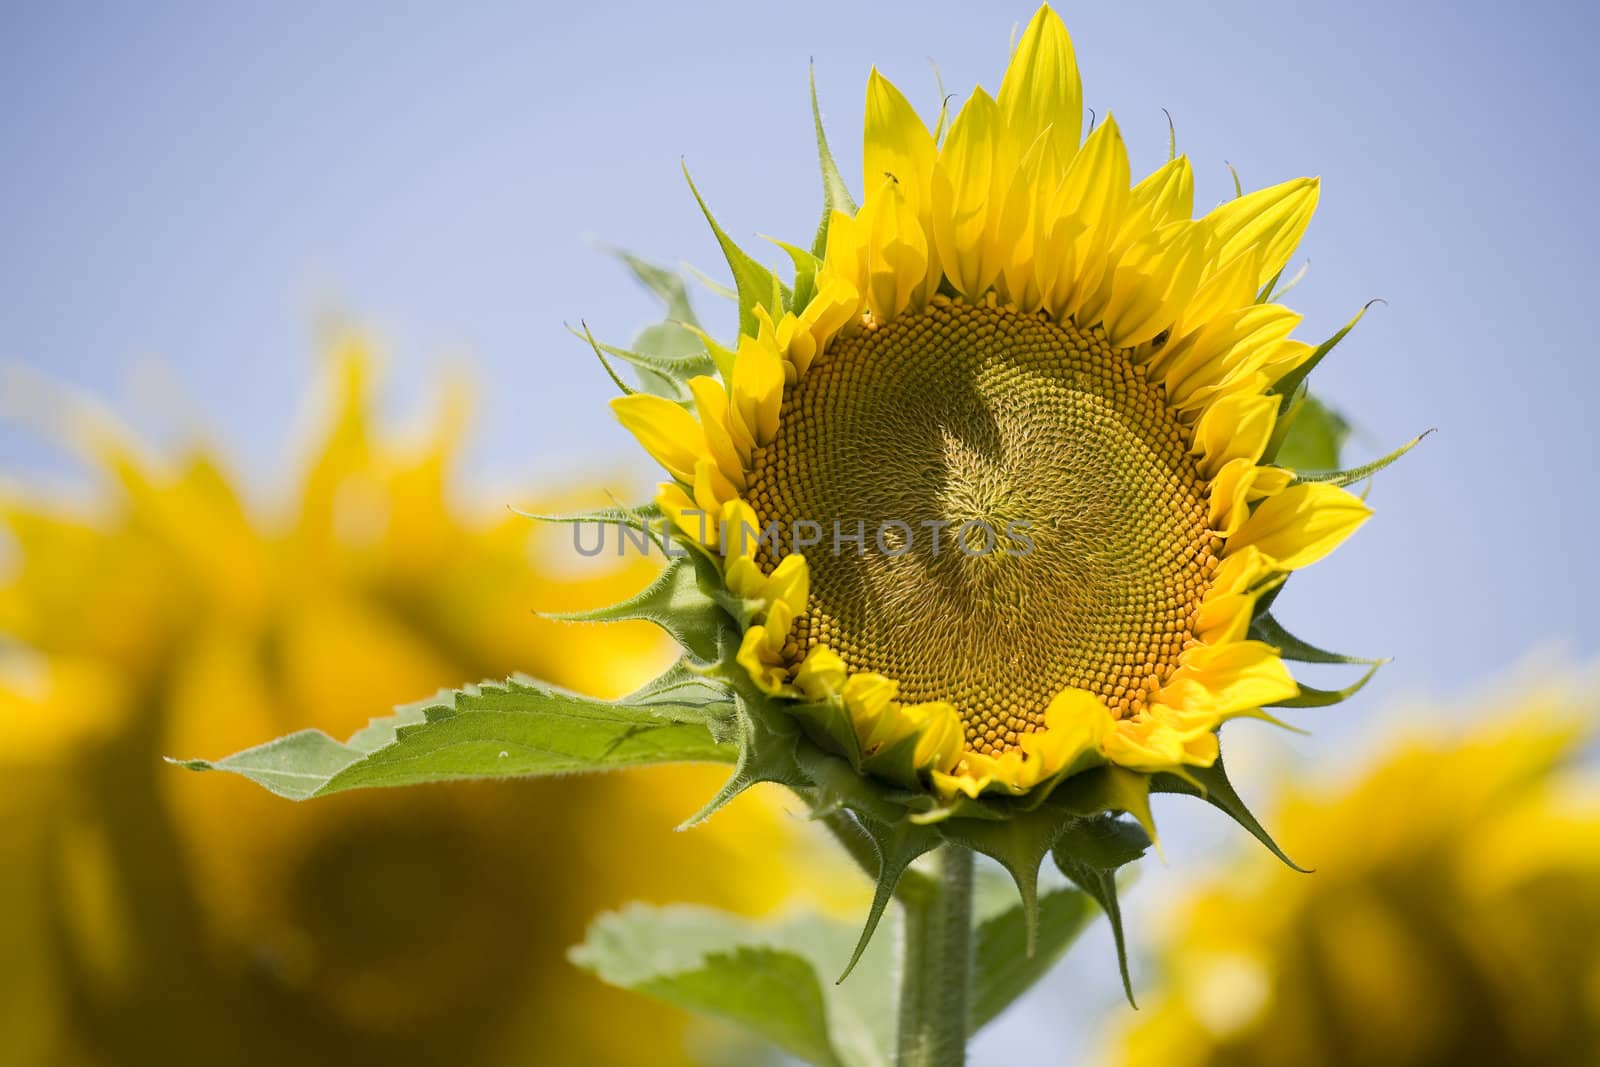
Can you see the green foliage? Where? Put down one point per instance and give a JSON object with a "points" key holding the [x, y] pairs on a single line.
{"points": [[519, 728], [1314, 437], [765, 978]]}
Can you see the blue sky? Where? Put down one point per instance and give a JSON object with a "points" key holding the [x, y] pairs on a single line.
{"points": [[186, 190]]}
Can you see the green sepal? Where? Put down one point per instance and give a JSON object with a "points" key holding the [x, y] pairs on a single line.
{"points": [[710, 284], [756, 285], [894, 847], [1311, 697], [1363, 472], [674, 369], [828, 724], [639, 518], [835, 193], [1291, 381], [806, 266], [1019, 844], [1089, 852], [1004, 968], [1269, 630], [519, 728], [622, 386], [1211, 784], [677, 602], [766, 745]]}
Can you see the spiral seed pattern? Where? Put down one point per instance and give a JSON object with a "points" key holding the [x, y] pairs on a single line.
{"points": [[1032, 518]]}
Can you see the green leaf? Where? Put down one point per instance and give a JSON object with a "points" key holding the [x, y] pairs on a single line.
{"points": [[1366, 470], [664, 283], [835, 193], [518, 728], [1004, 969], [1267, 629], [1313, 435], [764, 978], [756, 285], [1211, 785]]}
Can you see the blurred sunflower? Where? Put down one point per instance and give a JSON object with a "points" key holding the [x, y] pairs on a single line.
{"points": [[1451, 919], [153, 917]]}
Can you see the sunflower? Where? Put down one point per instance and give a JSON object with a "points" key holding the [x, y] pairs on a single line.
{"points": [[993, 481], [1450, 921], [153, 917]]}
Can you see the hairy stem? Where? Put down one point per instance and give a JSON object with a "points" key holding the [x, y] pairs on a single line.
{"points": [[936, 966]]}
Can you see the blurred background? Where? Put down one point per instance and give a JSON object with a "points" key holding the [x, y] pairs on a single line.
{"points": [[202, 203]]}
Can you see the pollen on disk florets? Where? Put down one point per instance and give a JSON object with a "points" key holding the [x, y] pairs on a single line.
{"points": [[1087, 549]]}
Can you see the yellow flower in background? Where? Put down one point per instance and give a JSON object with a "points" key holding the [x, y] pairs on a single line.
{"points": [[1041, 402], [1451, 918], [150, 916]]}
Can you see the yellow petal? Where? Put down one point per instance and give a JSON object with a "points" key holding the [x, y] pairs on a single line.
{"points": [[821, 675], [1236, 426], [769, 676], [668, 432], [1042, 91], [969, 184], [688, 516], [755, 397], [1228, 678], [1166, 196], [896, 143], [897, 253], [1270, 220], [1302, 524], [1085, 214], [711, 401]]}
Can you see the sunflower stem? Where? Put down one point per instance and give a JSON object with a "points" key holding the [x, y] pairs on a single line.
{"points": [[936, 965]]}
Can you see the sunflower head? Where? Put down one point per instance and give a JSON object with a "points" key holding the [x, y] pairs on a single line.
{"points": [[982, 512], [988, 493]]}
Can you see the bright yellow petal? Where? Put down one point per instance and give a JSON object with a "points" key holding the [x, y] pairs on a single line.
{"points": [[1228, 678], [1041, 90], [1236, 426], [1301, 524], [897, 253], [1271, 220], [668, 432], [1085, 214], [969, 184], [821, 675], [896, 143]]}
